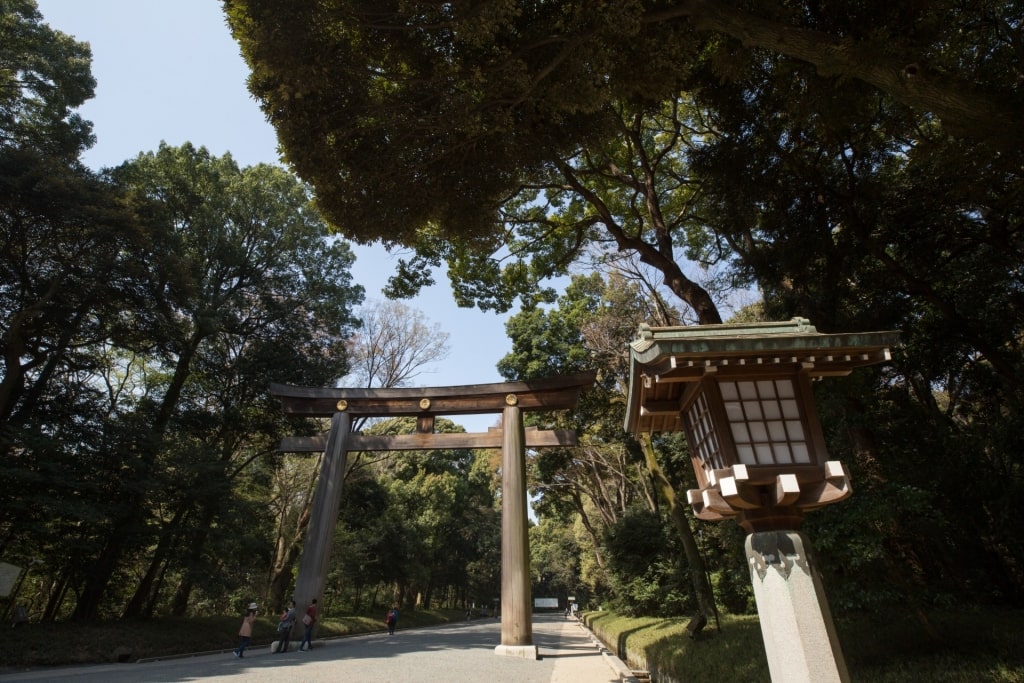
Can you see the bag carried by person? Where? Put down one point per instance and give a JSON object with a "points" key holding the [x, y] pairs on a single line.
{"points": [[284, 626], [307, 620]]}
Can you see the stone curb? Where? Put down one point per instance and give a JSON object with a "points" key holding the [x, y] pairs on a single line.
{"points": [[618, 667]]}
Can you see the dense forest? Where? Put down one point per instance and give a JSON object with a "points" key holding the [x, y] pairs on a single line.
{"points": [[146, 308]]}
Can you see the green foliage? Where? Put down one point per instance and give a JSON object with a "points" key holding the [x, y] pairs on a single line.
{"points": [[44, 76], [976, 645], [731, 651], [554, 560], [644, 567], [165, 298], [421, 524], [499, 94]]}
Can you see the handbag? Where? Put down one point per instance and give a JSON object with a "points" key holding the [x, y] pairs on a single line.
{"points": [[307, 620]]}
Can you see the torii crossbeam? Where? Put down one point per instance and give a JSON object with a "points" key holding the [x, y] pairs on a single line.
{"points": [[510, 399]]}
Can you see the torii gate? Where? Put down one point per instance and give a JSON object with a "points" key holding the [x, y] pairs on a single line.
{"points": [[510, 399]]}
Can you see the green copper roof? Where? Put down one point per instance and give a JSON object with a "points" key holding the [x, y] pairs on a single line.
{"points": [[749, 338], [664, 359]]}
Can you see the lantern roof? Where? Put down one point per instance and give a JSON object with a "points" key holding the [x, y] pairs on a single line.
{"points": [[666, 361]]}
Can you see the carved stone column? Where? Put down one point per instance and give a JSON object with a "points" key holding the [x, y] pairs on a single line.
{"points": [[799, 636]]}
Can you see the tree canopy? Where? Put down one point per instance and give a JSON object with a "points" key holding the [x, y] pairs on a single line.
{"points": [[435, 125], [420, 93], [44, 76]]}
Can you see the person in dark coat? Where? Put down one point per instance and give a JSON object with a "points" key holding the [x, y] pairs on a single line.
{"points": [[284, 627]]}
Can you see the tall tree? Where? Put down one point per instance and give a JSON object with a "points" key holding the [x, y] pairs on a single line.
{"points": [[861, 167], [249, 258], [66, 276], [44, 76], [439, 519]]}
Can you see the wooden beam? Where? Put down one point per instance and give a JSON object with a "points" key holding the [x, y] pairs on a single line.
{"points": [[660, 408], [425, 424], [714, 502], [739, 494], [422, 442], [551, 393]]}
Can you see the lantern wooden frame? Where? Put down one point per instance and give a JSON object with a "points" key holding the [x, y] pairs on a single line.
{"points": [[743, 396]]}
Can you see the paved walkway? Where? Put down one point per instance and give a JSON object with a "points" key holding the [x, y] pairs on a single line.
{"points": [[457, 653]]}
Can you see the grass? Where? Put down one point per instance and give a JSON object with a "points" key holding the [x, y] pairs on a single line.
{"points": [[975, 646], [55, 644]]}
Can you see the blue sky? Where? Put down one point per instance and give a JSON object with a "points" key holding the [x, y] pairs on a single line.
{"points": [[170, 71]]}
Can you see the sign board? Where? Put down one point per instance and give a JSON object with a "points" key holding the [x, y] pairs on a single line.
{"points": [[8, 575], [545, 603], [572, 598]]}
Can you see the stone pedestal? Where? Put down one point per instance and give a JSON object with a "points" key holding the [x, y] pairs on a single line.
{"points": [[521, 651], [796, 624]]}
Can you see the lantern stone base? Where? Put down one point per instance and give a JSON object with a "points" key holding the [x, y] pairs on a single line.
{"points": [[799, 636], [521, 651]]}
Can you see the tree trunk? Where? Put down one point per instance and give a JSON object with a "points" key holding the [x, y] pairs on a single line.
{"points": [[168, 539], [698, 570], [590, 530], [131, 524]]}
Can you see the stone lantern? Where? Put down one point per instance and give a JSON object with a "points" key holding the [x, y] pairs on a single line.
{"points": [[742, 394]]}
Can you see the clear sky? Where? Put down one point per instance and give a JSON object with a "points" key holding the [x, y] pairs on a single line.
{"points": [[168, 70]]}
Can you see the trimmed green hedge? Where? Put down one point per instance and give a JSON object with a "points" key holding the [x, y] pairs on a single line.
{"points": [[958, 646]]}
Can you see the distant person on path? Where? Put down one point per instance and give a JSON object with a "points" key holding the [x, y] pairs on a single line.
{"points": [[308, 620], [392, 620], [246, 631], [284, 627]]}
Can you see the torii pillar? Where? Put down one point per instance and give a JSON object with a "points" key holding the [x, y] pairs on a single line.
{"points": [[516, 612], [511, 399]]}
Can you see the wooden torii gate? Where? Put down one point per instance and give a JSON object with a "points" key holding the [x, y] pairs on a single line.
{"points": [[510, 399]]}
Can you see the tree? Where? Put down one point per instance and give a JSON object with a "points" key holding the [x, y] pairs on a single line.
{"points": [[249, 260], [860, 167], [44, 76], [436, 522], [554, 559], [442, 121], [67, 272], [847, 212], [393, 345]]}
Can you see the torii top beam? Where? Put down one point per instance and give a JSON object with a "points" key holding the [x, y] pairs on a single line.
{"points": [[552, 393]]}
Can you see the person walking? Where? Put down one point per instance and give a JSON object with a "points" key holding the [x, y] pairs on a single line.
{"points": [[246, 631], [308, 620], [284, 627], [392, 620]]}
